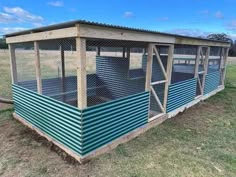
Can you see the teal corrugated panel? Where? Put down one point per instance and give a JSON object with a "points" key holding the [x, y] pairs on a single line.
{"points": [[58, 120], [108, 121], [212, 82], [181, 93]]}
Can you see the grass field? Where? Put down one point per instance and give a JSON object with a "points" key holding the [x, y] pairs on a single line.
{"points": [[199, 142]]}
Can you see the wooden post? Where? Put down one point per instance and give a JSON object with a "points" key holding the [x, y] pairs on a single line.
{"points": [[226, 53], [197, 60], [63, 75], [81, 73], [123, 54], [205, 68], [169, 74], [98, 51], [37, 67], [12, 55], [128, 53], [149, 67]]}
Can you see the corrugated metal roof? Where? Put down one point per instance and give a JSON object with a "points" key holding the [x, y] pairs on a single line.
{"points": [[73, 23]]}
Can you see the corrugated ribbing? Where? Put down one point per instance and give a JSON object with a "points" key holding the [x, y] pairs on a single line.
{"points": [[181, 93], [60, 121], [108, 121], [212, 82]]}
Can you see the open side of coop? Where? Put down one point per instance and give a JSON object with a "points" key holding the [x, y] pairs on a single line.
{"points": [[88, 87]]}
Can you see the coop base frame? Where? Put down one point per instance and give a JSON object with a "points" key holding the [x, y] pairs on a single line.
{"points": [[123, 139]]}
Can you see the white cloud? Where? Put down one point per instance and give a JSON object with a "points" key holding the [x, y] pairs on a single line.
{"points": [[164, 19], [128, 14], [219, 15], [18, 15], [7, 30], [56, 3], [6, 18], [189, 32], [231, 26]]}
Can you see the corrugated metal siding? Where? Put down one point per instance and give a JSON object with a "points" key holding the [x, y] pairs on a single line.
{"points": [[212, 82], [113, 73], [181, 93], [60, 121], [108, 121]]}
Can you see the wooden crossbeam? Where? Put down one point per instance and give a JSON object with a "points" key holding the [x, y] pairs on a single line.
{"points": [[157, 99], [159, 61], [158, 82]]}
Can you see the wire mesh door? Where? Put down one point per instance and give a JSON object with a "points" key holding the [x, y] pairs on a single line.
{"points": [[202, 62], [161, 64]]}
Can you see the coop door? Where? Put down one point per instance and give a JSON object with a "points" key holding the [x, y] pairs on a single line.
{"points": [[159, 81]]}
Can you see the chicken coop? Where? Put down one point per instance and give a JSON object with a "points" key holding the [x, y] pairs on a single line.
{"points": [[88, 87]]}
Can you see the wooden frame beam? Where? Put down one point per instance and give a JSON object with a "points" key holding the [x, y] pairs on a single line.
{"points": [[159, 61], [169, 74], [197, 61], [12, 55], [37, 67], [226, 53], [205, 68], [149, 67], [63, 74], [46, 35], [81, 73]]}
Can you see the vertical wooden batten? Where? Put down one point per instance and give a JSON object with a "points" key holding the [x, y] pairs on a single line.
{"points": [[12, 55], [81, 73], [205, 68], [37, 67], [168, 74], [149, 67], [63, 74], [226, 53], [197, 60]]}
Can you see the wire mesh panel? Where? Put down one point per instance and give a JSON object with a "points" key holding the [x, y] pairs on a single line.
{"points": [[214, 59], [58, 70], [115, 69], [183, 63]]}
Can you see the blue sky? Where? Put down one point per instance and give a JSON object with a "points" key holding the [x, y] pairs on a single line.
{"points": [[187, 17]]}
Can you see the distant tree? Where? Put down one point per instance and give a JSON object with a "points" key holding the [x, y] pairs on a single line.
{"points": [[3, 44], [226, 38], [220, 37]]}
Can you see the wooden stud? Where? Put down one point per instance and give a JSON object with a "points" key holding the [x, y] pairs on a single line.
{"points": [[98, 51], [123, 54], [81, 72], [37, 67], [12, 55], [226, 53], [128, 53], [169, 74], [63, 75], [149, 67], [157, 99], [197, 62], [206, 60]]}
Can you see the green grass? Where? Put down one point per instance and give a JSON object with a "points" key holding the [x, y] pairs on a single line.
{"points": [[199, 142]]}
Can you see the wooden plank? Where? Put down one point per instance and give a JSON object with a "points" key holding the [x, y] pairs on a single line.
{"points": [[159, 82], [205, 68], [149, 67], [98, 32], [226, 53], [12, 55], [63, 74], [157, 99], [98, 51], [46, 35], [37, 67], [81, 73], [201, 42], [169, 74], [123, 54], [197, 62], [159, 61]]}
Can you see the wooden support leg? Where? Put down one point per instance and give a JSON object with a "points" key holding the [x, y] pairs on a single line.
{"points": [[37, 67], [81, 73], [13, 63]]}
